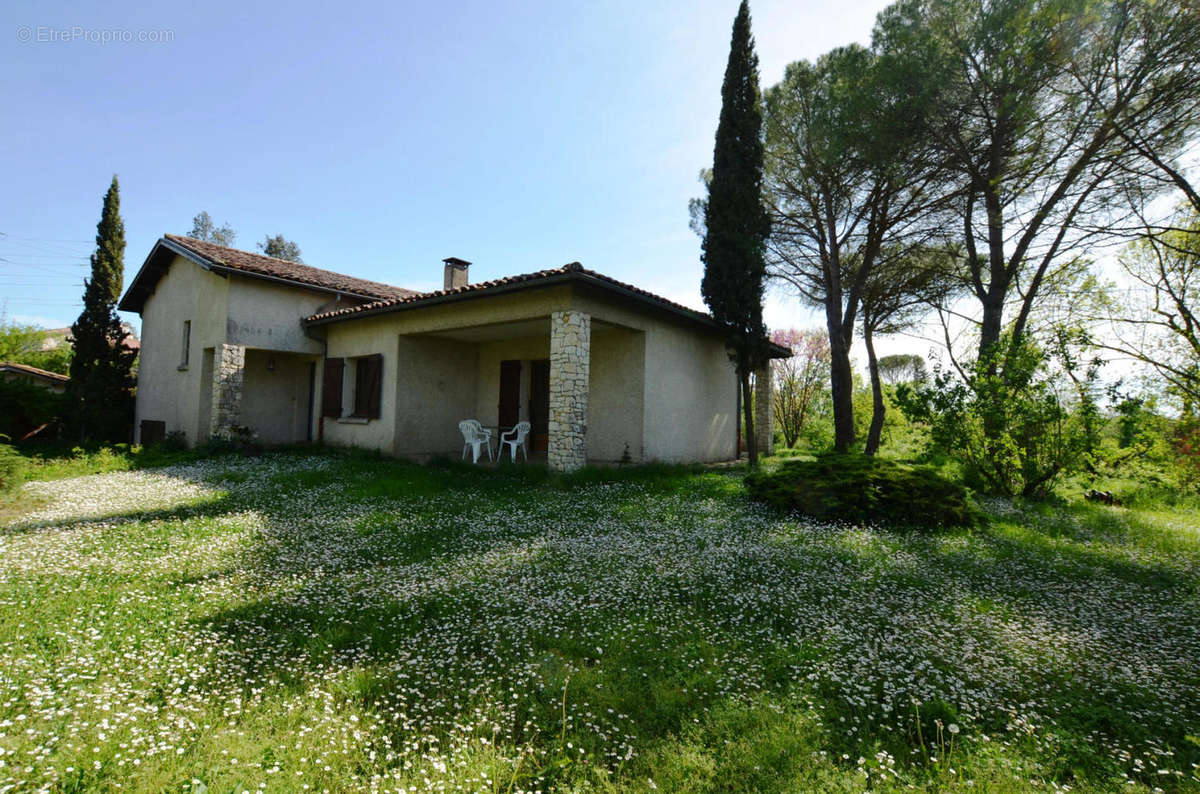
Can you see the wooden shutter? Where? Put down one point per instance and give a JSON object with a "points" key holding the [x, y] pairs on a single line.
{"points": [[331, 390], [374, 385]]}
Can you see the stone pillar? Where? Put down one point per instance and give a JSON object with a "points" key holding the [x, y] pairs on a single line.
{"points": [[570, 359], [764, 411], [228, 374]]}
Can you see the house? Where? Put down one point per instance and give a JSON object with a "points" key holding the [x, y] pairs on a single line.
{"points": [[54, 338], [53, 381], [602, 370]]}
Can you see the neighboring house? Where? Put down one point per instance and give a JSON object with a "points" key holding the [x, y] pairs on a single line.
{"points": [[54, 338], [38, 377], [601, 369]]}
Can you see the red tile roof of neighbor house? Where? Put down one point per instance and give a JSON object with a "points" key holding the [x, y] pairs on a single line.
{"points": [[25, 369], [54, 338]]}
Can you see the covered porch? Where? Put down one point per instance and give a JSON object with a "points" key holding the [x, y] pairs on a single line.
{"points": [[578, 380], [270, 393]]}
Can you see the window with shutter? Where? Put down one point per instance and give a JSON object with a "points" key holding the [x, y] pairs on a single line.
{"points": [[368, 386], [331, 387]]}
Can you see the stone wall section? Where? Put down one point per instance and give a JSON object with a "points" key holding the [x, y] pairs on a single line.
{"points": [[570, 358], [228, 378], [764, 411]]}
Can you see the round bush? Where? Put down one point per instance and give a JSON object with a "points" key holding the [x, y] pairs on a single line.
{"points": [[861, 489]]}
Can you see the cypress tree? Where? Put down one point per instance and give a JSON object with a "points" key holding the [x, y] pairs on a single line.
{"points": [[100, 392], [736, 222]]}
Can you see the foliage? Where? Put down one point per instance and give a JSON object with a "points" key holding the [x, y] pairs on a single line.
{"points": [[1010, 429], [22, 344], [25, 406], [174, 441], [203, 228], [1158, 322], [735, 222], [236, 438], [903, 368], [12, 469], [100, 392], [849, 185], [894, 294], [1186, 441], [800, 379], [863, 489], [1048, 116], [280, 248]]}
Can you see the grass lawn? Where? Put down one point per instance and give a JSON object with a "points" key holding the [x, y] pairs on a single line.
{"points": [[313, 623]]}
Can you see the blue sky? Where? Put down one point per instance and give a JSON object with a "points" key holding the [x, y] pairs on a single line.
{"points": [[380, 137]]}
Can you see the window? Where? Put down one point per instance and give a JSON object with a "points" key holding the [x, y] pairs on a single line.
{"points": [[187, 340], [368, 385]]}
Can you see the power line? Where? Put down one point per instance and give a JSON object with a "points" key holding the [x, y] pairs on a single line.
{"points": [[7, 236]]}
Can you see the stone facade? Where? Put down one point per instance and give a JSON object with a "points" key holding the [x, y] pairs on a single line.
{"points": [[764, 411], [228, 377], [570, 358]]}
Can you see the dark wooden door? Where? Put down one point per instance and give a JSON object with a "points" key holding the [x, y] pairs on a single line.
{"points": [[510, 393], [539, 404]]}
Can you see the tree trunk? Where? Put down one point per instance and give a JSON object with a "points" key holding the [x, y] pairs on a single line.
{"points": [[992, 325], [878, 409], [748, 409], [841, 382]]}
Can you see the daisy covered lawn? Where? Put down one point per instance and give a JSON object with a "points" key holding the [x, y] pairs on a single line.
{"points": [[347, 623]]}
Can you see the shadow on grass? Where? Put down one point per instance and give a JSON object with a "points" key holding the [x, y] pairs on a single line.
{"points": [[409, 606], [217, 505], [668, 678]]}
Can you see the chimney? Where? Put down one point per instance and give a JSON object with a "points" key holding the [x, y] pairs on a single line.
{"points": [[456, 273]]}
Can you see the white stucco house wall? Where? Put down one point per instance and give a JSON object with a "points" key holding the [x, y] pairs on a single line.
{"points": [[601, 369]]}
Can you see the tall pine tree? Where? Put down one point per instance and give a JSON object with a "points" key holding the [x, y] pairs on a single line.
{"points": [[100, 392], [736, 222]]}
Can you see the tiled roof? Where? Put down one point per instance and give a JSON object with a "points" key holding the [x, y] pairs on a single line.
{"points": [[573, 271], [258, 264], [25, 369]]}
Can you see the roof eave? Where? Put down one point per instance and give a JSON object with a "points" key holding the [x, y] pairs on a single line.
{"points": [[580, 276]]}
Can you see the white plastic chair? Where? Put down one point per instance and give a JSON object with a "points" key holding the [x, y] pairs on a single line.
{"points": [[515, 439], [474, 436]]}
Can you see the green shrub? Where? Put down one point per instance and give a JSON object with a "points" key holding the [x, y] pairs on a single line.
{"points": [[24, 407], [12, 469], [1007, 424], [175, 441], [861, 489]]}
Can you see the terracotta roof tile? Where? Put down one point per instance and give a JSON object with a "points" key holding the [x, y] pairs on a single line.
{"points": [[573, 269], [292, 271]]}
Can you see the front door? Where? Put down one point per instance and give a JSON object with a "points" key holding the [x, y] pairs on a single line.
{"points": [[509, 412], [539, 405]]}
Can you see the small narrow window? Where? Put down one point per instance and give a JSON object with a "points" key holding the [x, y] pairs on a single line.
{"points": [[187, 341]]}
